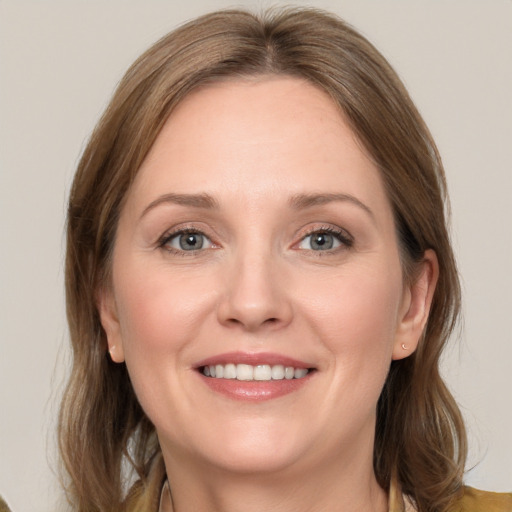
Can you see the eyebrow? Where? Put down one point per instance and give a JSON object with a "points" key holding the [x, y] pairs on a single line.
{"points": [[302, 201], [205, 201], [297, 202]]}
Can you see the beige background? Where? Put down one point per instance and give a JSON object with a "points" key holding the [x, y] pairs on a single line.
{"points": [[59, 62]]}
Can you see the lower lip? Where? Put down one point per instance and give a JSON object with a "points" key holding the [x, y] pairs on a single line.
{"points": [[255, 390]]}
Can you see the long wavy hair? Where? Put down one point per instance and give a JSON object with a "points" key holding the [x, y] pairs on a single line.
{"points": [[103, 432]]}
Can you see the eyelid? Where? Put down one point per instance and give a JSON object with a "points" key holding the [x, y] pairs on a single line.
{"points": [[342, 235], [177, 231]]}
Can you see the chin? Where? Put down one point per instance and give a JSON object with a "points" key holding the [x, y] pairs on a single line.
{"points": [[249, 446], [268, 459]]}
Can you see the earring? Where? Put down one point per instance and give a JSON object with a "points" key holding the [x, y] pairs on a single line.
{"points": [[404, 346]]}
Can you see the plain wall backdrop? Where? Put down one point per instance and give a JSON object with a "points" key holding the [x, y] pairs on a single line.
{"points": [[59, 64]]}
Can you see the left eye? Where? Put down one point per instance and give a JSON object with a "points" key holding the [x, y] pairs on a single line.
{"points": [[320, 241], [189, 241]]}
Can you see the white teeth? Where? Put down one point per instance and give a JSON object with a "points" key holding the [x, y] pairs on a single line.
{"points": [[262, 372], [244, 372], [230, 371], [277, 372], [247, 372], [289, 372], [300, 372]]}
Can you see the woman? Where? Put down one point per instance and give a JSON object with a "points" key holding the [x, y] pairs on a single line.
{"points": [[260, 283]]}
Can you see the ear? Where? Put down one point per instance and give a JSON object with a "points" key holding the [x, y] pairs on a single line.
{"points": [[415, 307], [110, 323]]}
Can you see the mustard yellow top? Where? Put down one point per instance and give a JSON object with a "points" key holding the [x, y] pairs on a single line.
{"points": [[148, 498], [3, 505]]}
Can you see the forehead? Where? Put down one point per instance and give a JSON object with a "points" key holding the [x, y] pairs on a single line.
{"points": [[254, 134]]}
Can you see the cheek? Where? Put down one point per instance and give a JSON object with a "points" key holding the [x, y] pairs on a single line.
{"points": [[356, 317], [159, 313], [161, 318], [358, 302]]}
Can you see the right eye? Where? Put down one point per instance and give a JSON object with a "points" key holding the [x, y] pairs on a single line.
{"points": [[186, 241]]}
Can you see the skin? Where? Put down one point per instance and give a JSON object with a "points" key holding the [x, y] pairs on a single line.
{"points": [[257, 285]]}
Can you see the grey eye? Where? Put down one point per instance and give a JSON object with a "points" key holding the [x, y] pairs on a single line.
{"points": [[320, 241], [190, 241]]}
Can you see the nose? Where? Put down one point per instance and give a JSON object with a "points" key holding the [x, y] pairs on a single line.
{"points": [[255, 295]]}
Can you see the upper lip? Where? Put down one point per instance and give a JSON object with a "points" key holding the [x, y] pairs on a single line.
{"points": [[253, 359]]}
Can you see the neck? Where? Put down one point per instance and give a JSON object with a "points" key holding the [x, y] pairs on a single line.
{"points": [[342, 484]]}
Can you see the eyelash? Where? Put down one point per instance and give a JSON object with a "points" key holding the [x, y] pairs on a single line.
{"points": [[167, 237], [342, 236]]}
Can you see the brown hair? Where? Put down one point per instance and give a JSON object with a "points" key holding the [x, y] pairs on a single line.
{"points": [[420, 438]]}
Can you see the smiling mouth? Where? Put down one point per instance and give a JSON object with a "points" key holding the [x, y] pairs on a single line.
{"points": [[260, 372]]}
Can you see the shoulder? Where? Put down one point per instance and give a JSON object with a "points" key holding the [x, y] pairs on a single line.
{"points": [[3, 506], [474, 500]]}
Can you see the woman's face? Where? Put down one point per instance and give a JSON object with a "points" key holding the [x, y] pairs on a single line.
{"points": [[258, 233]]}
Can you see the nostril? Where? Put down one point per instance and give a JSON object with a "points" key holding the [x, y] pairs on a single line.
{"points": [[253, 310], [268, 321]]}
